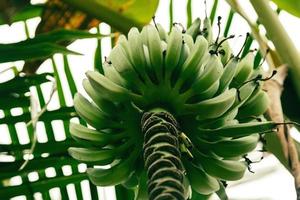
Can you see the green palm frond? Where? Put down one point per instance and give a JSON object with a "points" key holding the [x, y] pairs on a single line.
{"points": [[53, 153]]}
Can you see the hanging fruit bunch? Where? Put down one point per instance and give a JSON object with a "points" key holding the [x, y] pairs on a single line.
{"points": [[176, 112]]}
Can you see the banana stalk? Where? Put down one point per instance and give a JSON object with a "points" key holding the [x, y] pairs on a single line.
{"points": [[162, 156]]}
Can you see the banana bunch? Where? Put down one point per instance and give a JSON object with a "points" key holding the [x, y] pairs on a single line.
{"points": [[207, 90]]}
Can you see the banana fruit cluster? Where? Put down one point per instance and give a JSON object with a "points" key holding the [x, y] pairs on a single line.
{"points": [[207, 90]]}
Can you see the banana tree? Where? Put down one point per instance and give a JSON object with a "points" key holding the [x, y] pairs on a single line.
{"points": [[172, 114]]}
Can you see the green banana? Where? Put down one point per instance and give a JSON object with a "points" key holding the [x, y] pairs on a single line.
{"points": [[194, 29], [211, 73], [235, 147], [188, 40], [200, 181], [92, 114], [162, 32], [255, 106], [244, 94], [136, 52], [173, 52], [190, 67], [226, 119], [100, 157], [115, 175], [257, 71], [122, 41], [207, 30], [228, 74], [108, 89], [111, 73], [103, 104], [223, 169], [149, 68], [83, 133], [93, 137], [244, 70], [132, 181], [211, 91], [152, 41], [164, 46], [207, 94], [112, 176], [185, 52], [225, 51], [120, 60], [212, 108], [240, 130]]}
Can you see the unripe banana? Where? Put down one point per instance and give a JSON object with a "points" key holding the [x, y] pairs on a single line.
{"points": [[257, 71], [116, 174], [244, 70], [149, 68], [164, 46], [211, 73], [111, 73], [112, 176], [225, 51], [226, 119], [207, 30], [211, 91], [223, 169], [92, 114], [100, 157], [207, 94], [132, 181], [103, 104], [212, 108], [188, 40], [235, 147], [255, 106], [244, 94], [162, 32], [200, 181], [137, 53], [93, 137], [184, 54], [108, 89], [173, 52], [227, 76], [240, 130], [194, 29], [152, 41], [121, 62], [191, 66]]}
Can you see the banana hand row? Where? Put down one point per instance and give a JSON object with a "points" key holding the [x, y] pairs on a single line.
{"points": [[212, 94]]}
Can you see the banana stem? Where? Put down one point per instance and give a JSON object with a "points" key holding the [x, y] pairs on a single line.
{"points": [[162, 161], [280, 38], [261, 40], [287, 154]]}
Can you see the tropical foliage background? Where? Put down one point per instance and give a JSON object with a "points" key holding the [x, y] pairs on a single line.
{"points": [[42, 68]]}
